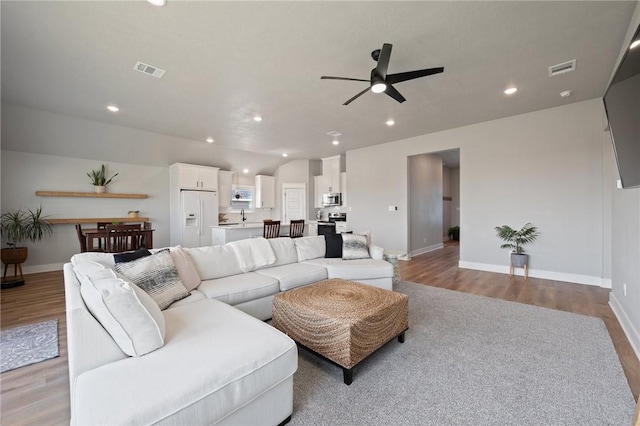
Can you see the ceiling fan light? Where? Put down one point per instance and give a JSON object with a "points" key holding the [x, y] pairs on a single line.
{"points": [[378, 87]]}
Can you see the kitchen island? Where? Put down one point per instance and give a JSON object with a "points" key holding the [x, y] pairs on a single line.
{"points": [[224, 233]]}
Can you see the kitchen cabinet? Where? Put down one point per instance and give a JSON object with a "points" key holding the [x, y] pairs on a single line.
{"points": [[191, 176], [312, 229], [222, 234], [331, 168], [319, 188], [343, 188], [225, 182], [265, 197]]}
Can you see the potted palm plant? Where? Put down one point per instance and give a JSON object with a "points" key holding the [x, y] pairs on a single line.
{"points": [[514, 240], [99, 179], [18, 226]]}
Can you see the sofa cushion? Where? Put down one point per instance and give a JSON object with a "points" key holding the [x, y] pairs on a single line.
{"points": [[295, 274], [310, 247], [253, 253], [216, 360], [130, 316], [186, 269], [105, 259], [239, 288], [355, 247], [157, 275], [214, 261], [285, 250], [333, 244], [359, 269]]}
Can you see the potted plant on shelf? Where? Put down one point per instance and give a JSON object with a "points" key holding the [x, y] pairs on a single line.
{"points": [[514, 240], [18, 226], [99, 179], [454, 233], [133, 213]]}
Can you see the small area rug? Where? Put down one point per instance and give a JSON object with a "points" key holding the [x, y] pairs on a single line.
{"points": [[28, 344], [473, 360]]}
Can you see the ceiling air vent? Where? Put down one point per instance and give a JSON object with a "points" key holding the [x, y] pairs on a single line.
{"points": [[334, 133], [149, 70], [562, 68]]}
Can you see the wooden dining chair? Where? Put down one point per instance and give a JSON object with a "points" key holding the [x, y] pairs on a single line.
{"points": [[82, 239], [296, 228], [122, 238], [271, 229]]}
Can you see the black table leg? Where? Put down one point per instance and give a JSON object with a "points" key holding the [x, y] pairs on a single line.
{"points": [[401, 337], [347, 374]]}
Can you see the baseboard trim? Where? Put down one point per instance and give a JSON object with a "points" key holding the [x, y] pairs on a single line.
{"points": [[627, 326], [427, 249], [42, 268], [538, 273]]}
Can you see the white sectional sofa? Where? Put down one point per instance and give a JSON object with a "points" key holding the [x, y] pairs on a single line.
{"points": [[215, 364]]}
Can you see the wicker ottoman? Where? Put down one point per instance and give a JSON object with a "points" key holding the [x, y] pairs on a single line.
{"points": [[341, 320]]}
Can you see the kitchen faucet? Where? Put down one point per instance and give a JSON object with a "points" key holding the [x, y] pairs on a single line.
{"points": [[243, 216]]}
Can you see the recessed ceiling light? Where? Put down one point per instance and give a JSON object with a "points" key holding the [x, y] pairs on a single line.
{"points": [[510, 90], [635, 44], [566, 93], [390, 122], [210, 140], [257, 118], [336, 142], [158, 2], [113, 108], [245, 171], [284, 154]]}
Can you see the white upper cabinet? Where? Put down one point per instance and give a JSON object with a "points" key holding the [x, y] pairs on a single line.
{"points": [[319, 188], [225, 182], [343, 187], [197, 177], [265, 192]]}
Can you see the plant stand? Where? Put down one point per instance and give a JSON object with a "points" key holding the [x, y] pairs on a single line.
{"points": [[15, 281], [519, 261]]}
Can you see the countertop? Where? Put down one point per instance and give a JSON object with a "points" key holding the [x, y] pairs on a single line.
{"points": [[246, 225]]}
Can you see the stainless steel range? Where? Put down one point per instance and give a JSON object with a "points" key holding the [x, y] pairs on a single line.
{"points": [[336, 224]]}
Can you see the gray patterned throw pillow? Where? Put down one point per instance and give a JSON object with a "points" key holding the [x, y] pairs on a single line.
{"points": [[156, 275], [354, 246]]}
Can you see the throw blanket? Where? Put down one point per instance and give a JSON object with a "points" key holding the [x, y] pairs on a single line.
{"points": [[253, 253]]}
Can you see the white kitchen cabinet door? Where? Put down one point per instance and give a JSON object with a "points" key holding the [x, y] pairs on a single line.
{"points": [[196, 177], [265, 192], [189, 177], [319, 187], [208, 178], [343, 188], [312, 230], [225, 182]]}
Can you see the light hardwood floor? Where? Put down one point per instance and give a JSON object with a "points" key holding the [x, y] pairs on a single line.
{"points": [[39, 394]]}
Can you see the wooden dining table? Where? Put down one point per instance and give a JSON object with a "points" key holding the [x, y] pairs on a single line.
{"points": [[93, 234]]}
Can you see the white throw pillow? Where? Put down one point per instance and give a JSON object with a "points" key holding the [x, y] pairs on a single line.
{"points": [[130, 316], [284, 249], [214, 261], [186, 269], [354, 246], [310, 247], [157, 275]]}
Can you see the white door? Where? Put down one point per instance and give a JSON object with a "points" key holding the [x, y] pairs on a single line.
{"points": [[294, 206]]}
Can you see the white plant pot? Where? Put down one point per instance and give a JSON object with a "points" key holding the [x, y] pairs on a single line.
{"points": [[99, 189]]}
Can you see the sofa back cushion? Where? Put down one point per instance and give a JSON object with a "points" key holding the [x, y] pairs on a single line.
{"points": [[214, 261], [285, 250], [253, 253], [105, 259], [310, 247], [128, 314]]}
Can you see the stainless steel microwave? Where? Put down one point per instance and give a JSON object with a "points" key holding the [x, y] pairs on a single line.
{"points": [[331, 199]]}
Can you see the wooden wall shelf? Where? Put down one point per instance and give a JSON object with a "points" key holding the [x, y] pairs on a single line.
{"points": [[95, 220], [88, 194]]}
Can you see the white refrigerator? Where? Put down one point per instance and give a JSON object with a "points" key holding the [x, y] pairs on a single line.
{"points": [[199, 212]]}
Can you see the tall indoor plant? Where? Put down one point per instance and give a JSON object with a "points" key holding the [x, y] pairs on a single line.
{"points": [[515, 240], [99, 179], [18, 226]]}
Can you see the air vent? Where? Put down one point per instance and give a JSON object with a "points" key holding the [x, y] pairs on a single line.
{"points": [[149, 70], [562, 68], [334, 133]]}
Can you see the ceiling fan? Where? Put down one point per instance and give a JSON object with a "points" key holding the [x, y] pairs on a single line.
{"points": [[381, 81]]}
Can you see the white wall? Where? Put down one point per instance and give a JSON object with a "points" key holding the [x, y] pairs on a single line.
{"points": [[425, 203], [625, 241], [543, 167], [24, 173]]}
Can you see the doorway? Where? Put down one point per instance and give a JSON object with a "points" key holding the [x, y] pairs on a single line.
{"points": [[294, 205]]}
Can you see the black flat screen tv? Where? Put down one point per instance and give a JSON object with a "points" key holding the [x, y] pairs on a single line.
{"points": [[622, 104]]}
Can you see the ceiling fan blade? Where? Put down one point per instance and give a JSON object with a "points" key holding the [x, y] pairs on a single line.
{"points": [[383, 60], [357, 96], [391, 91], [325, 77], [410, 75]]}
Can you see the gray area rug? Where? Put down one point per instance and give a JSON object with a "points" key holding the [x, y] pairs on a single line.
{"points": [[28, 344], [473, 360]]}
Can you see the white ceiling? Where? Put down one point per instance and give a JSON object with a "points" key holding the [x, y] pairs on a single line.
{"points": [[227, 61]]}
